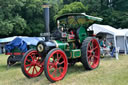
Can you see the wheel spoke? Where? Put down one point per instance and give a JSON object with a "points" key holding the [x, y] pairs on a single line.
{"points": [[33, 54], [61, 72], [89, 56], [32, 57], [28, 65], [95, 48], [51, 67], [35, 69], [53, 59], [58, 58], [28, 60], [89, 47], [51, 64], [89, 51], [38, 65], [57, 55], [29, 68], [96, 57], [42, 64], [61, 62], [54, 73]]}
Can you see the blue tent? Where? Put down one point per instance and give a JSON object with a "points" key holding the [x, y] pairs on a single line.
{"points": [[22, 42]]}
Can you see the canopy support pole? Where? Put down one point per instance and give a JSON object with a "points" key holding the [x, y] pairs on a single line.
{"points": [[125, 45], [116, 48]]}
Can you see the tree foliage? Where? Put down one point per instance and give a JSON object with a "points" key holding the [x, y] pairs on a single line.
{"points": [[25, 17], [75, 7]]}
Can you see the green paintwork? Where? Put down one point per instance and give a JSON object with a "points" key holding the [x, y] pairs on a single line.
{"points": [[92, 17], [71, 46], [68, 48], [82, 34], [75, 53], [68, 54], [74, 21], [61, 45]]}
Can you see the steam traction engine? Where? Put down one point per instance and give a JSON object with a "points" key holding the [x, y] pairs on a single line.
{"points": [[70, 43]]}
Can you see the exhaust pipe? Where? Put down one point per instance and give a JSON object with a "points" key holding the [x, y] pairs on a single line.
{"points": [[46, 19]]}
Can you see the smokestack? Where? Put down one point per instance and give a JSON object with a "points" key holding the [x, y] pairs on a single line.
{"points": [[46, 19]]}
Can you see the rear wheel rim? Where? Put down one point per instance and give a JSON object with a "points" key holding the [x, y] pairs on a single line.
{"points": [[93, 53], [33, 64], [57, 65]]}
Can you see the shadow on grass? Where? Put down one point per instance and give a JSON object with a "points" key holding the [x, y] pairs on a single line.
{"points": [[77, 68], [108, 58], [42, 80], [6, 67], [3, 68]]}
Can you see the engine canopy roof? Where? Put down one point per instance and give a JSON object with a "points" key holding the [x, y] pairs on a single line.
{"points": [[76, 19]]}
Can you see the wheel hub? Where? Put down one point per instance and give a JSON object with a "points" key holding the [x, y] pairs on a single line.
{"points": [[56, 65], [34, 63]]}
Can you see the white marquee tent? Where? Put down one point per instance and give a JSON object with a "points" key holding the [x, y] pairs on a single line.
{"points": [[119, 36]]}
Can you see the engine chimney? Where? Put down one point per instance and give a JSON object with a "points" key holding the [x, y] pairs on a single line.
{"points": [[46, 19]]}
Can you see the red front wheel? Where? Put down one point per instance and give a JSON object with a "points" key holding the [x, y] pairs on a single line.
{"points": [[32, 64], [55, 65]]}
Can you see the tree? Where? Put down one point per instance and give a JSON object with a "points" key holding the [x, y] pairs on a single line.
{"points": [[9, 17], [25, 17], [70, 1], [32, 12], [120, 5], [75, 7], [19, 24], [55, 6]]}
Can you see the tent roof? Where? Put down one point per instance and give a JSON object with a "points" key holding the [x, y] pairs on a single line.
{"points": [[28, 40], [122, 32], [107, 29], [125, 31], [9, 39]]}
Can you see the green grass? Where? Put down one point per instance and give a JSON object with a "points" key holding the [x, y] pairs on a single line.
{"points": [[109, 72]]}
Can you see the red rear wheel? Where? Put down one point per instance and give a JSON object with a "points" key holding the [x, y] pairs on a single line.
{"points": [[90, 53], [56, 65], [32, 64]]}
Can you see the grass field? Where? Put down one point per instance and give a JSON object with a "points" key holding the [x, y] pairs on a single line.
{"points": [[109, 72]]}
